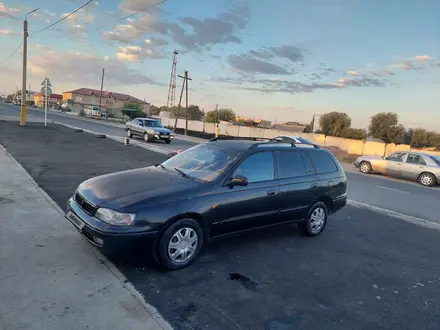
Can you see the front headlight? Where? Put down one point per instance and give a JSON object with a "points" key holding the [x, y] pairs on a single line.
{"points": [[115, 218]]}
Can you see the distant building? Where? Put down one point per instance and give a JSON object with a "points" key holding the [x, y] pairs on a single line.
{"points": [[110, 101], [52, 100]]}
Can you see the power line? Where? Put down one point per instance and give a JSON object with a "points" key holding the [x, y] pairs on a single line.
{"points": [[62, 19], [99, 28], [16, 50], [131, 15]]}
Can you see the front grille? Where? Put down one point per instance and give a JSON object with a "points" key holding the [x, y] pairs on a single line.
{"points": [[161, 133], [84, 205]]}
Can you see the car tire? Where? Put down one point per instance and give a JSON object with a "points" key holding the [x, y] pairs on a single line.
{"points": [[129, 133], [316, 220], [146, 138], [427, 179], [187, 230], [365, 167], [167, 141]]}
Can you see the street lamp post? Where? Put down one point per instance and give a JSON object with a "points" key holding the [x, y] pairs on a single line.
{"points": [[23, 86]]}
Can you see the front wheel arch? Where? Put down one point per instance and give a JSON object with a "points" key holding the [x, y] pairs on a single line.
{"points": [[193, 216]]}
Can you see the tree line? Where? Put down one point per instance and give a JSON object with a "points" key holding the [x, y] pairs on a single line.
{"points": [[384, 126], [195, 113]]}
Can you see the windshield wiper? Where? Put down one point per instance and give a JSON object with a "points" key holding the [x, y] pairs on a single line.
{"points": [[183, 173]]}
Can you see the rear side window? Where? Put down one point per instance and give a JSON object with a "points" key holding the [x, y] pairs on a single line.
{"points": [[323, 162], [257, 167], [290, 164]]}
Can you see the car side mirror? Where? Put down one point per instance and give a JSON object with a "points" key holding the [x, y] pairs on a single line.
{"points": [[237, 181]]}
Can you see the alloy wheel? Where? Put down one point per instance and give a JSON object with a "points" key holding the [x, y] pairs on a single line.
{"points": [[365, 168], [426, 179], [317, 219], [183, 245]]}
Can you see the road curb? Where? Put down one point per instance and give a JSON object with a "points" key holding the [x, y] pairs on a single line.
{"points": [[153, 312], [162, 151], [408, 218]]}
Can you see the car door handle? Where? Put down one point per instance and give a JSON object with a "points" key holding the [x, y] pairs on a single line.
{"points": [[271, 192]]}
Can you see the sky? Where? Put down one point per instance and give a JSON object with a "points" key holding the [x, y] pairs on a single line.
{"points": [[279, 60]]}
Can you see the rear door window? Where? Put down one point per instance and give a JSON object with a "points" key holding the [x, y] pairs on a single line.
{"points": [[290, 164], [323, 162], [415, 159]]}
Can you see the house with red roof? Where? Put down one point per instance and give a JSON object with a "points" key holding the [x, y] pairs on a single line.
{"points": [[111, 102]]}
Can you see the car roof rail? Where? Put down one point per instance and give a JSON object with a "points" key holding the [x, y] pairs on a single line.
{"points": [[235, 138], [273, 142]]}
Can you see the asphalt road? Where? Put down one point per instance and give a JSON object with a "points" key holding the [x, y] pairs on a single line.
{"points": [[14, 111], [366, 271], [396, 195]]}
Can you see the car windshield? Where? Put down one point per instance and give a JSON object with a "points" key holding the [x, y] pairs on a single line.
{"points": [[203, 162], [152, 123], [436, 159]]}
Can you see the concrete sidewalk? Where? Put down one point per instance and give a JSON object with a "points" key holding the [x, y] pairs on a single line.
{"points": [[49, 277]]}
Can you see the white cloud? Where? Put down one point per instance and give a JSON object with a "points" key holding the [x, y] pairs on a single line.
{"points": [[129, 54], [83, 68], [9, 32], [137, 53], [352, 73], [136, 5], [8, 12], [422, 58]]}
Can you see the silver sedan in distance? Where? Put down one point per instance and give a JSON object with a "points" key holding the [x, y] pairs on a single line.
{"points": [[415, 166], [150, 129]]}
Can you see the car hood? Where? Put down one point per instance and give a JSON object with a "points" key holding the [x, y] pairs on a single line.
{"points": [[161, 130], [122, 190]]}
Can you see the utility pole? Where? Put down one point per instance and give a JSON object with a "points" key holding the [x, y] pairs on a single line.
{"points": [[23, 85], [186, 101], [180, 103], [100, 95], [185, 78]]}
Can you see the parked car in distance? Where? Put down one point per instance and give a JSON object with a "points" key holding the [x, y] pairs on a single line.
{"points": [[216, 188], [294, 139], [150, 129], [415, 166]]}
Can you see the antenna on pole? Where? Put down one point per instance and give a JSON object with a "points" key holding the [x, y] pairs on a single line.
{"points": [[172, 86]]}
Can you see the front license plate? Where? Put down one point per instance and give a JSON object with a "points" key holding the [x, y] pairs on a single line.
{"points": [[73, 218]]}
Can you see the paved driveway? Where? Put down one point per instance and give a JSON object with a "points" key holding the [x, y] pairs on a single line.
{"points": [[366, 271]]}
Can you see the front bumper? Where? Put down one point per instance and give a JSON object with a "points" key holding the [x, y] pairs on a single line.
{"points": [[112, 239], [162, 137]]}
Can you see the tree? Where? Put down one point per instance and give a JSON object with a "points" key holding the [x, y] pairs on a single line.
{"points": [[194, 112], [433, 139], [407, 136], [385, 126], [419, 138], [155, 111], [224, 114], [333, 123], [354, 133], [133, 106], [128, 110]]}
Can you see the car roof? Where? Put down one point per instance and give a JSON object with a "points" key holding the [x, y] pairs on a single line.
{"points": [[242, 145], [142, 118]]}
